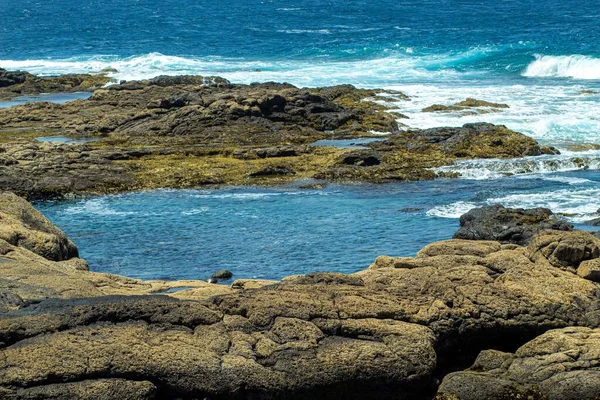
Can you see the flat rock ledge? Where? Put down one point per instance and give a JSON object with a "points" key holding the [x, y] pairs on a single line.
{"points": [[395, 330]]}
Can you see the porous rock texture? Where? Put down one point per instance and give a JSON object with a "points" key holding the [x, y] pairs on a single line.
{"points": [[390, 331], [562, 364]]}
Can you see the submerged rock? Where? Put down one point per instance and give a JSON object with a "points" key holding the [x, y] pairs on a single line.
{"points": [[508, 225]]}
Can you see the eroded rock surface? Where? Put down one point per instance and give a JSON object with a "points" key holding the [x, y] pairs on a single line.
{"points": [[16, 83]]}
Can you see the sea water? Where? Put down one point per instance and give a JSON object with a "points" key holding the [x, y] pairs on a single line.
{"points": [[272, 233], [542, 58]]}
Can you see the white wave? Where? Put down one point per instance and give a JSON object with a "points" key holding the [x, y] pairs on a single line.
{"points": [[454, 210], [97, 207], [195, 211], [397, 66], [552, 114], [576, 206], [297, 31], [535, 167], [561, 179], [573, 66]]}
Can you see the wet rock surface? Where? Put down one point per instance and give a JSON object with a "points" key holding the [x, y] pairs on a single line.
{"points": [[508, 225], [391, 330]]}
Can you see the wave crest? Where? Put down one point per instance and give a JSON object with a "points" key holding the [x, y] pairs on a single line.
{"points": [[573, 66]]}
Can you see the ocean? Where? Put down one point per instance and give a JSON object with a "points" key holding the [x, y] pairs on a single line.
{"points": [[542, 58]]}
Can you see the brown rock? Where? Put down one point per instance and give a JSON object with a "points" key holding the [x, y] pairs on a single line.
{"points": [[590, 270], [558, 365]]}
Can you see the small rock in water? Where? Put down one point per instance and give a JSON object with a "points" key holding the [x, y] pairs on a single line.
{"points": [[212, 280], [410, 209], [222, 274]]}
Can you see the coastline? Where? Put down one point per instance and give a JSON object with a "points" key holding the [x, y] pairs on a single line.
{"points": [[393, 329]]}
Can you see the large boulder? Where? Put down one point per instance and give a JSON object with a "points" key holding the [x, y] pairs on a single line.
{"points": [[22, 225], [564, 250], [508, 225], [561, 364]]}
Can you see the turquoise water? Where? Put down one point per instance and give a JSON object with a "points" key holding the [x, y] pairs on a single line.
{"points": [[272, 233]]}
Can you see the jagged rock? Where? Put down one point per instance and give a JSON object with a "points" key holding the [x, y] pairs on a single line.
{"points": [[10, 78], [272, 171], [558, 365], [361, 158], [594, 222], [507, 225], [15, 83], [467, 104], [476, 140]]}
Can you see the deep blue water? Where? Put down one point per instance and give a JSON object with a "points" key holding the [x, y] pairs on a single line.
{"points": [[272, 233], [413, 39]]}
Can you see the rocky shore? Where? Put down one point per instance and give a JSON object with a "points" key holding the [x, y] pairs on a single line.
{"points": [[464, 319], [189, 131], [508, 309]]}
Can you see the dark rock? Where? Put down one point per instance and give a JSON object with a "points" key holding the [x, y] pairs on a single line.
{"points": [[410, 209], [272, 171], [475, 140], [507, 225], [222, 274], [10, 78], [361, 158]]}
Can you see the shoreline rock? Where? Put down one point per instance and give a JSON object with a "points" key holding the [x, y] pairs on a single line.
{"points": [[391, 330]]}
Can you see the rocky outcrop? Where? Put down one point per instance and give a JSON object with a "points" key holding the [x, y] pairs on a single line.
{"points": [[16, 83], [476, 140], [388, 331], [561, 364], [189, 131], [508, 225], [23, 226]]}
